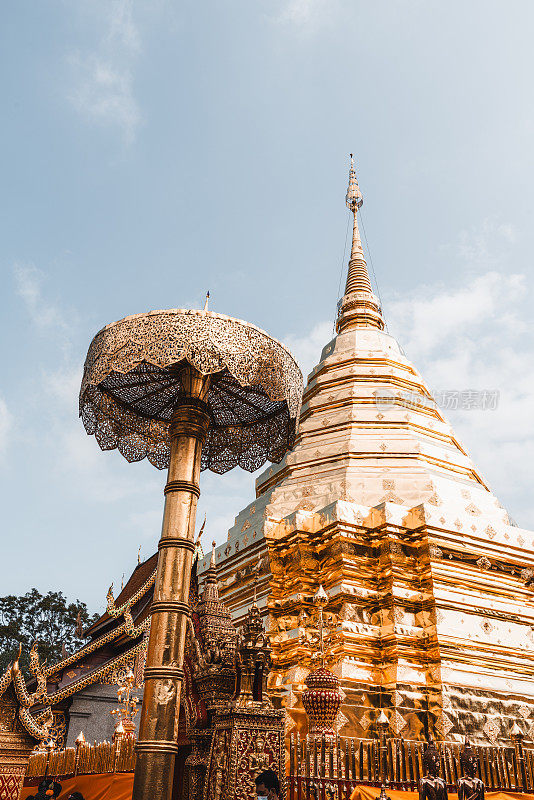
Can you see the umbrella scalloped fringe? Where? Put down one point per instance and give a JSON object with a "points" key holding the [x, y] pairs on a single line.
{"points": [[128, 392]]}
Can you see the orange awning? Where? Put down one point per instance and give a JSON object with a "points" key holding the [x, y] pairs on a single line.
{"points": [[372, 792], [110, 786]]}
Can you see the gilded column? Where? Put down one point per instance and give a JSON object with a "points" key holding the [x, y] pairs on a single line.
{"points": [[156, 747]]}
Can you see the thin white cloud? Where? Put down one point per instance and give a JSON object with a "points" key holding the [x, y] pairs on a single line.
{"points": [[434, 313], [43, 313], [103, 77], [122, 31], [6, 424], [147, 526], [305, 15], [63, 384], [485, 246], [78, 461], [478, 335], [307, 349], [104, 94]]}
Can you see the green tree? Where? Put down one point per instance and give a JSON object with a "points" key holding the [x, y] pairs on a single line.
{"points": [[48, 619]]}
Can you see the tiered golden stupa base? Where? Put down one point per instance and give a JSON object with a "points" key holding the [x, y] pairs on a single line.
{"points": [[442, 655]]}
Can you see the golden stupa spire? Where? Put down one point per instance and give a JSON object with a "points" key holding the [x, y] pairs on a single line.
{"points": [[359, 307]]}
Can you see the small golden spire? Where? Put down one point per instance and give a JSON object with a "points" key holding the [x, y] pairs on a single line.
{"points": [[139, 556], [320, 598], [354, 197], [211, 574], [80, 739], [359, 307], [213, 562], [79, 623], [206, 302], [357, 277]]}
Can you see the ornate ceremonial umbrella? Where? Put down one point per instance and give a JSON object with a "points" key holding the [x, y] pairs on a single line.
{"points": [[189, 390]]}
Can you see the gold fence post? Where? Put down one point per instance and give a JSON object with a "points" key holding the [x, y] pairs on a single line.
{"points": [[383, 724], [517, 738]]}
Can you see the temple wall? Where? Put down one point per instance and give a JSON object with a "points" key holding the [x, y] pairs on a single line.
{"points": [[90, 712]]}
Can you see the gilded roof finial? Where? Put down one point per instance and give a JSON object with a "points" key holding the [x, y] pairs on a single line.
{"points": [[79, 622], [139, 555], [15, 669], [213, 562], [206, 301], [211, 572], [201, 531], [359, 306], [211, 588]]}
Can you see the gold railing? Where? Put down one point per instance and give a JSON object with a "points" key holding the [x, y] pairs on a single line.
{"points": [[333, 767], [324, 767], [85, 759]]}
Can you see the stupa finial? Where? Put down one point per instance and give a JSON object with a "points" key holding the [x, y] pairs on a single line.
{"points": [[354, 197], [357, 276], [359, 307]]}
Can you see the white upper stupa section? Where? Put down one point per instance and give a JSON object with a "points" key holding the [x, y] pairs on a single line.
{"points": [[370, 433]]}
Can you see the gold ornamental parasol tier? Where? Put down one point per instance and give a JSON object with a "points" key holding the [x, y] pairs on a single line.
{"points": [[133, 381], [189, 390]]}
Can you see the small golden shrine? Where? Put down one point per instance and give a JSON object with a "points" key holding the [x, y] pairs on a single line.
{"points": [[249, 731]]}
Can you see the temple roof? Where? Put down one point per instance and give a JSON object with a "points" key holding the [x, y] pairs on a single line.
{"points": [[14, 691], [133, 586], [115, 638]]}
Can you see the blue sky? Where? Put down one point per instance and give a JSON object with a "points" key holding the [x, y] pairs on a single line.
{"points": [[154, 150]]}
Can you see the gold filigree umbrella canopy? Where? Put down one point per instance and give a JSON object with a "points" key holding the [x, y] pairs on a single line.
{"points": [[189, 390]]}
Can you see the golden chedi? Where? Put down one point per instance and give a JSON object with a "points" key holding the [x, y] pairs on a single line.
{"points": [[428, 580]]}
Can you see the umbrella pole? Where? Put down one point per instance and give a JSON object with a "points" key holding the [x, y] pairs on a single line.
{"points": [[158, 730]]}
